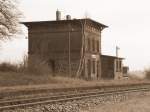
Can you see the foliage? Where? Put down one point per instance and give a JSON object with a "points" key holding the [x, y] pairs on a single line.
{"points": [[147, 73], [9, 18], [38, 66], [5, 67]]}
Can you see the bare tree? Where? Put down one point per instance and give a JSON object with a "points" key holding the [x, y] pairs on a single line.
{"points": [[9, 18]]}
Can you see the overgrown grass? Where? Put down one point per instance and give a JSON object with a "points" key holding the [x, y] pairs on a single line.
{"points": [[136, 75], [38, 73], [21, 74], [147, 74]]}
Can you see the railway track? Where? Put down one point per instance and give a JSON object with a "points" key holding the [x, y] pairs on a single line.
{"points": [[5, 95], [9, 104]]}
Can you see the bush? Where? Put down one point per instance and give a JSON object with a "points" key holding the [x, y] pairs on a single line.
{"points": [[37, 72], [147, 73], [136, 75], [8, 67], [38, 66]]}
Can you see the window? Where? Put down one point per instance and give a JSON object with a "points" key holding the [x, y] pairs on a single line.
{"points": [[93, 45], [88, 44], [93, 67], [98, 69], [89, 68], [118, 65], [97, 45]]}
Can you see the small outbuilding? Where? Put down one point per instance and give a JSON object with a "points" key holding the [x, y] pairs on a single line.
{"points": [[112, 67], [125, 71]]}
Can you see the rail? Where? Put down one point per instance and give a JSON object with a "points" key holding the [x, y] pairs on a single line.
{"points": [[28, 102]]}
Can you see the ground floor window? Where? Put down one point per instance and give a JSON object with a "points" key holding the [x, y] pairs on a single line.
{"points": [[89, 68], [118, 65], [98, 69], [93, 66]]}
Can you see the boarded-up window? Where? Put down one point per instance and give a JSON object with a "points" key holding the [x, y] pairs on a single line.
{"points": [[93, 45], [89, 46], [98, 69], [89, 68], [118, 65], [97, 45], [93, 67]]}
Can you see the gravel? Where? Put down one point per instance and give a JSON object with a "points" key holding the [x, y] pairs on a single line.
{"points": [[77, 106]]}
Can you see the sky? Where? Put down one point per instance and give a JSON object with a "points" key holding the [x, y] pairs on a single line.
{"points": [[128, 21]]}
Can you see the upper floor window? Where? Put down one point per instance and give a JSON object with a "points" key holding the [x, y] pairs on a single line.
{"points": [[98, 47], [88, 44], [93, 45]]}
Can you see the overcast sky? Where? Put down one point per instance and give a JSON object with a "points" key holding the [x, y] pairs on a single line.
{"points": [[128, 21]]}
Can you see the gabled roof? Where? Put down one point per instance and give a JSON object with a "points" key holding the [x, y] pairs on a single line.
{"points": [[88, 20]]}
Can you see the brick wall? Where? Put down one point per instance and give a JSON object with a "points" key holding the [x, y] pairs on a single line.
{"points": [[50, 40], [52, 43]]}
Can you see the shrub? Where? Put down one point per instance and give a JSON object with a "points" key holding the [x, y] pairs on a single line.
{"points": [[147, 74], [6, 67], [36, 66], [136, 75]]}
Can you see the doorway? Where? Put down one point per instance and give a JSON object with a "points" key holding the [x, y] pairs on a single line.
{"points": [[51, 64]]}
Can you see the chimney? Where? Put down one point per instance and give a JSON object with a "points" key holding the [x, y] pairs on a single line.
{"points": [[58, 15], [68, 17]]}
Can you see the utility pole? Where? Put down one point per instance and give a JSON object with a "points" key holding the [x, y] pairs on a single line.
{"points": [[117, 49], [117, 62], [69, 54]]}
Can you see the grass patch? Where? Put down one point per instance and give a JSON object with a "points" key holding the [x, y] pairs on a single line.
{"points": [[38, 73]]}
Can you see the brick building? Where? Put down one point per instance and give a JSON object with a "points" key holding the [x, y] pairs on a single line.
{"points": [[71, 46], [112, 67]]}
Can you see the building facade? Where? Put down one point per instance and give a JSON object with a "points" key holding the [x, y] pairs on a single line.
{"points": [[71, 46]]}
